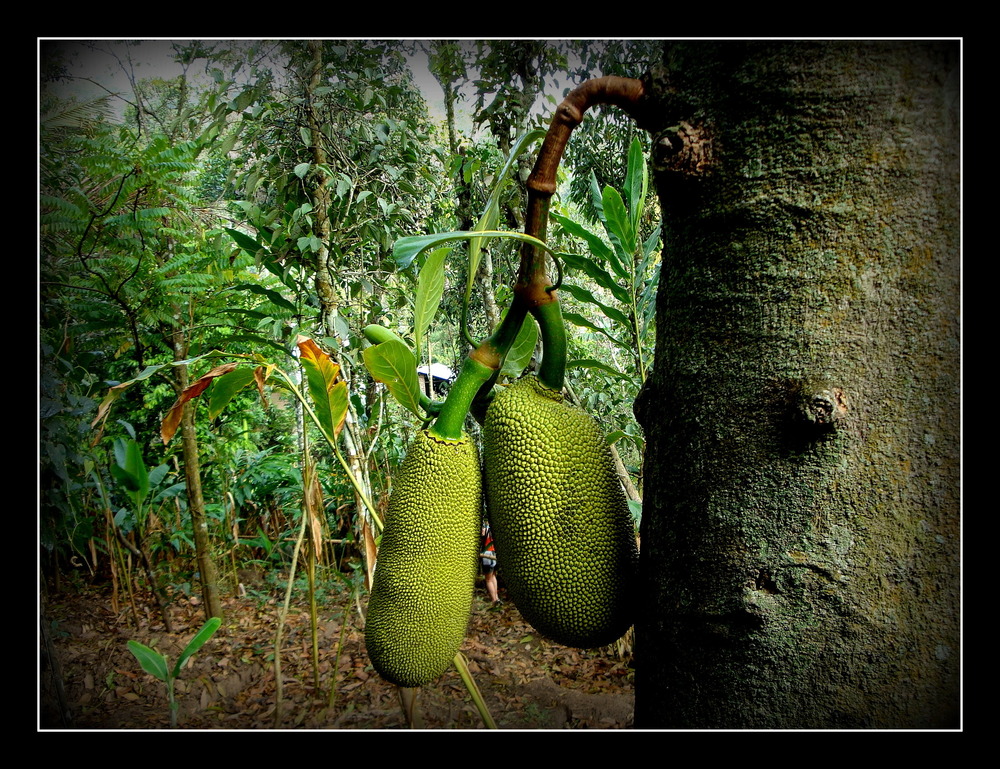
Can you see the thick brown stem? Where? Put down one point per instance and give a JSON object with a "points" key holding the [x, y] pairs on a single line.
{"points": [[622, 92]]}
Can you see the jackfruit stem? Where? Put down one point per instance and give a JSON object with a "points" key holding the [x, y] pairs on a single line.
{"points": [[533, 286], [552, 369], [450, 423], [533, 292]]}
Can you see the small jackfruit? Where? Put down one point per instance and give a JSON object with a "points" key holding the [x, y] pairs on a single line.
{"points": [[421, 594], [564, 535]]}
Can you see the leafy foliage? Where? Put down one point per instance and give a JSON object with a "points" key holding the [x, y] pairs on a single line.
{"points": [[615, 286], [190, 219]]}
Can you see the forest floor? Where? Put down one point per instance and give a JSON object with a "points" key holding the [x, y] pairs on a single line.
{"points": [[527, 681]]}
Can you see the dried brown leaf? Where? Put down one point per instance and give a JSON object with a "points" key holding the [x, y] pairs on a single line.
{"points": [[168, 427]]}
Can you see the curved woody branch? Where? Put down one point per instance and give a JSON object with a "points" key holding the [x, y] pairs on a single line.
{"points": [[533, 291]]}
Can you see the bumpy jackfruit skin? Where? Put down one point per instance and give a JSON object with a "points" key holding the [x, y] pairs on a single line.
{"points": [[421, 594], [562, 528]]}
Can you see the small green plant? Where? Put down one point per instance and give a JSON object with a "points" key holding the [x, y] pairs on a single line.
{"points": [[156, 664]]}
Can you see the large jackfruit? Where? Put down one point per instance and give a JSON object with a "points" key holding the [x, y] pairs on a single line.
{"points": [[564, 535], [426, 568]]}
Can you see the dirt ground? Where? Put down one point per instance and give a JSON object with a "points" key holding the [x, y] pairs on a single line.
{"points": [[527, 681]]}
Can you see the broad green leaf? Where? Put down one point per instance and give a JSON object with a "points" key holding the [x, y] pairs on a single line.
{"points": [[613, 437], [578, 320], [405, 250], [244, 241], [327, 390], [636, 180], [131, 471], [127, 480], [583, 295], [392, 363], [618, 224], [597, 246], [301, 170], [206, 632], [430, 287], [377, 334], [273, 296], [226, 387], [488, 221], [595, 196], [519, 355], [598, 366], [120, 449], [151, 661], [157, 474], [171, 491], [598, 274]]}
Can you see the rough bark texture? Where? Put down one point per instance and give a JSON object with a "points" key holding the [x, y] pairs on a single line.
{"points": [[196, 500], [801, 527], [326, 289]]}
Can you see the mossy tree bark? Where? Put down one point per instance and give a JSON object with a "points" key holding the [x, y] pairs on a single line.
{"points": [[800, 540]]}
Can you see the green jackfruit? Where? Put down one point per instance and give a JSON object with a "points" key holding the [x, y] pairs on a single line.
{"points": [[426, 568], [564, 535]]}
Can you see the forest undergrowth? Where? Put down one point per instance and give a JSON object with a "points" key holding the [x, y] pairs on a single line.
{"points": [[527, 681]]}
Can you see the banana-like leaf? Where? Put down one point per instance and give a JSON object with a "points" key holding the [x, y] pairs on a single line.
{"points": [[328, 392], [225, 388], [131, 471], [151, 661], [157, 474], [127, 480], [206, 632]]}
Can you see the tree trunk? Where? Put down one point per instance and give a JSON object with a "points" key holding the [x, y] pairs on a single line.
{"points": [[800, 539], [326, 290], [192, 476]]}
